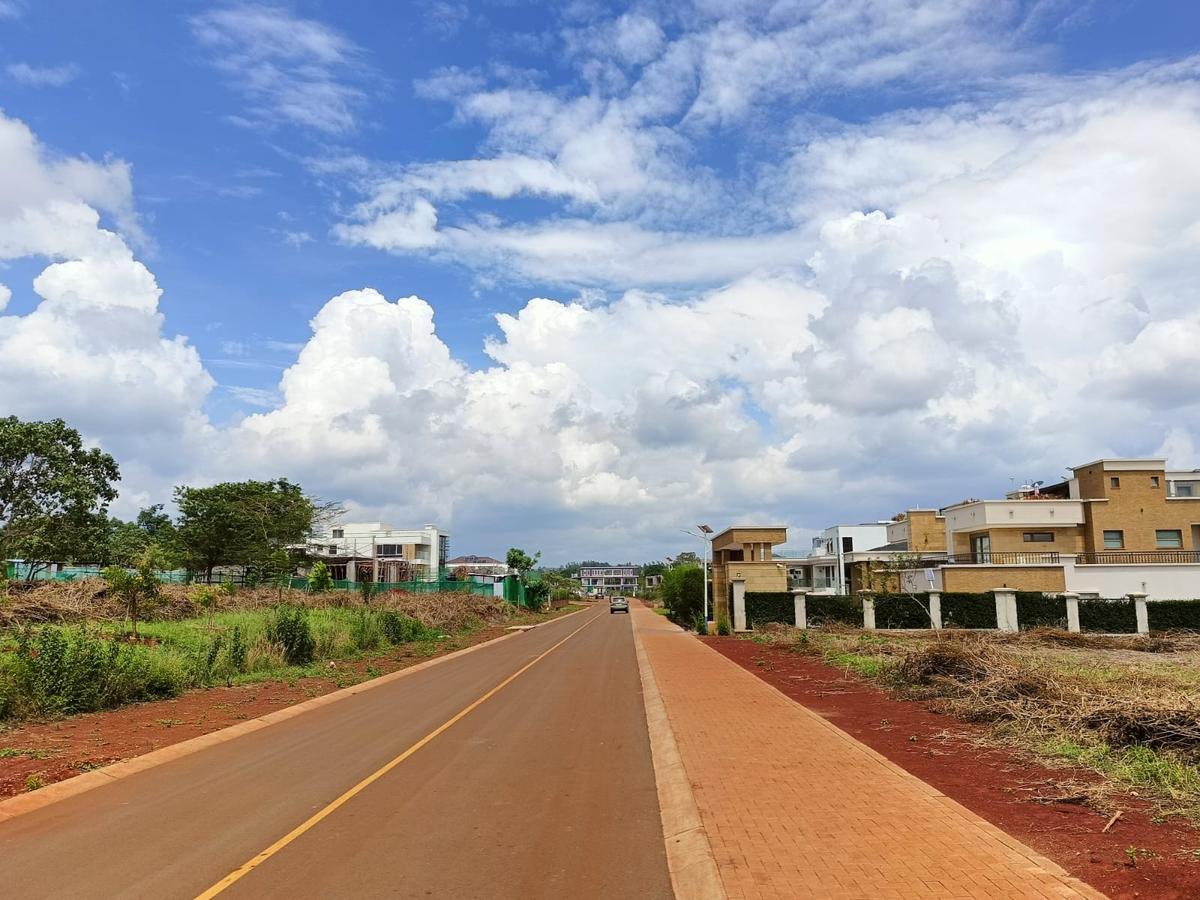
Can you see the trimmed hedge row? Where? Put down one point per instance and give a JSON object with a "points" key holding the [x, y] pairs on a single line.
{"points": [[968, 610], [1036, 610], [902, 611], [1167, 614], [1107, 616], [770, 606]]}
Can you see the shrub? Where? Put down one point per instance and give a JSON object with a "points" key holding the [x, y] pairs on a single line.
{"points": [[763, 607], [236, 653], [400, 629], [319, 579], [263, 655], [723, 626], [1170, 614], [1036, 610], [537, 594], [1107, 616], [700, 624], [968, 610], [289, 629], [828, 609], [62, 671], [365, 631]]}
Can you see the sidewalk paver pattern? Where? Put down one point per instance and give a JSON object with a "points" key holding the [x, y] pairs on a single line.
{"points": [[796, 808]]}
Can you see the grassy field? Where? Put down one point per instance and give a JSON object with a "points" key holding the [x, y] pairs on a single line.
{"points": [[1126, 707], [52, 670]]}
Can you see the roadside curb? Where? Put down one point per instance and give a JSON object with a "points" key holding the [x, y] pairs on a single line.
{"points": [[80, 784], [690, 860]]}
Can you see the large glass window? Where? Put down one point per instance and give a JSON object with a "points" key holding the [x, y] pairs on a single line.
{"points": [[1114, 540], [1039, 537], [1168, 539]]}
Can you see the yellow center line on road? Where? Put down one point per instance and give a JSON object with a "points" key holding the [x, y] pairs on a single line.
{"points": [[250, 865]]}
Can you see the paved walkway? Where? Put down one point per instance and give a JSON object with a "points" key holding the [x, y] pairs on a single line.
{"points": [[796, 808]]}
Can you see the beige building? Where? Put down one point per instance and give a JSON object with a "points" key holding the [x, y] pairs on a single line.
{"points": [[1116, 526], [745, 553]]}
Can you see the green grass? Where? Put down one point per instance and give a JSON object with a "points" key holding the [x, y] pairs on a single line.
{"points": [[1138, 766], [866, 666]]}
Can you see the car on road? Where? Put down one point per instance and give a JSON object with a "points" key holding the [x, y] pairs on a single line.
{"points": [[618, 604]]}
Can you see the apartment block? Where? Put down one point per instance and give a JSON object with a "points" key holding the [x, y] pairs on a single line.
{"points": [[609, 581]]}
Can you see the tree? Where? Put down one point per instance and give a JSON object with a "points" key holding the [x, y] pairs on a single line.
{"points": [[886, 576], [521, 562], [686, 558], [137, 587], [241, 523], [682, 593], [54, 493]]}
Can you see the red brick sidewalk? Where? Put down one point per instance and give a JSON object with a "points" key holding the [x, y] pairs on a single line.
{"points": [[794, 807]]}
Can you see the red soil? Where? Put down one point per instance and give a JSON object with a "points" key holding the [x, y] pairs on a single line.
{"points": [[67, 747], [1135, 858]]}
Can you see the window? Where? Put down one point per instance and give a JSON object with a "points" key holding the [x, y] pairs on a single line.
{"points": [[1153, 481], [847, 545], [1168, 539], [389, 550], [1114, 540], [1039, 537], [1183, 490], [1114, 481], [339, 532]]}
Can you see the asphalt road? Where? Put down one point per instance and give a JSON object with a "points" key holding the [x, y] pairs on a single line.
{"points": [[545, 788]]}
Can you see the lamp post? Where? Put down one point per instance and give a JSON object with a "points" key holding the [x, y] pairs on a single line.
{"points": [[703, 534]]}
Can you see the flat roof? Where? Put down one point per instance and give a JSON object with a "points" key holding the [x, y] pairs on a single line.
{"points": [[1123, 463]]}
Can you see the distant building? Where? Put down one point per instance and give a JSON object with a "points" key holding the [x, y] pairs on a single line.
{"points": [[478, 565], [609, 580]]}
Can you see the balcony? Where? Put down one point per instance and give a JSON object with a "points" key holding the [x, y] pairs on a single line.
{"points": [[810, 584], [1138, 557], [1002, 558]]}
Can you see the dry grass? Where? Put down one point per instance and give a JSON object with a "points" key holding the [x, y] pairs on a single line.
{"points": [[1126, 707], [69, 602]]}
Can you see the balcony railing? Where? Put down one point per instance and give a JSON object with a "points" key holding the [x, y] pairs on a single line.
{"points": [[1137, 557], [1002, 558]]}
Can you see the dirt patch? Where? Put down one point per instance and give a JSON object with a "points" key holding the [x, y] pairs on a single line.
{"points": [[1136, 858], [43, 753]]}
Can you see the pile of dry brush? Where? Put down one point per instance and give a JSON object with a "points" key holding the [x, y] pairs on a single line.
{"points": [[978, 680], [88, 600]]}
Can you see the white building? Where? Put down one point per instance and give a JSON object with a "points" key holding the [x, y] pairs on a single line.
{"points": [[479, 566], [609, 580], [379, 551], [826, 569]]}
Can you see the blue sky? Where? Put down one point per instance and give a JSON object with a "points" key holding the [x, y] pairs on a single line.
{"points": [[681, 181]]}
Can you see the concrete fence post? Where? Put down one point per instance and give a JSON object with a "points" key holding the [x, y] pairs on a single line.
{"points": [[935, 610], [868, 606], [1006, 609], [1139, 610], [800, 596], [1072, 611], [739, 604]]}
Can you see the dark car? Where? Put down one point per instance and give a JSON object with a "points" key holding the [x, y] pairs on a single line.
{"points": [[618, 604]]}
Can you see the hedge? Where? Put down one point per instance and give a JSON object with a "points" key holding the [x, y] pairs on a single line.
{"points": [[825, 609], [1107, 616], [902, 610], [1168, 614], [968, 610], [1036, 610], [770, 606]]}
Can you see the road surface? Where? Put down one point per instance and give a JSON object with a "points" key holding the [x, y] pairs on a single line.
{"points": [[542, 788]]}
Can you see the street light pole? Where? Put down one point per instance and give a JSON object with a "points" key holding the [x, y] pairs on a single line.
{"points": [[703, 534]]}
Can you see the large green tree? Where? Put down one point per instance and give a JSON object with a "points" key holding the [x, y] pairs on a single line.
{"points": [[241, 523], [54, 493]]}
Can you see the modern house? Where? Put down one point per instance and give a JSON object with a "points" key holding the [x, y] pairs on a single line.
{"points": [[1117, 526], [844, 557], [377, 551], [609, 581]]}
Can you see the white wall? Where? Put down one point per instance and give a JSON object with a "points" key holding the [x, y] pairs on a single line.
{"points": [[972, 516], [1165, 582]]}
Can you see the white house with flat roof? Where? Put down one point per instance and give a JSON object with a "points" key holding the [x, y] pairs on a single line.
{"points": [[387, 552]]}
